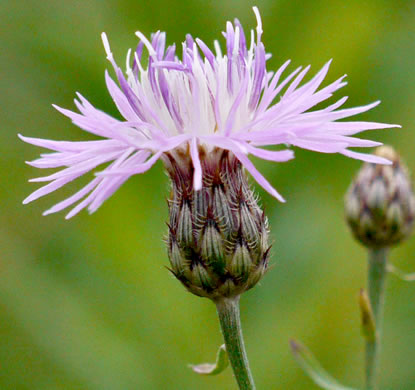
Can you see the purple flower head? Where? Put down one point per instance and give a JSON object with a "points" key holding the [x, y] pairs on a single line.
{"points": [[204, 99]]}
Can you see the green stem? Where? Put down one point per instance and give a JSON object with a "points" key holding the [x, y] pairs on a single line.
{"points": [[376, 289], [230, 322]]}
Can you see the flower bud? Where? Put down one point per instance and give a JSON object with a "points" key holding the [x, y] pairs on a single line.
{"points": [[218, 235], [380, 204]]}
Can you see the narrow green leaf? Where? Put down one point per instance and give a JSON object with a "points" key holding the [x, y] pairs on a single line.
{"points": [[400, 274], [213, 369], [313, 368], [368, 319]]}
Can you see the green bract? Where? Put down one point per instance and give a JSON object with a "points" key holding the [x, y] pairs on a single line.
{"points": [[380, 204], [218, 236]]}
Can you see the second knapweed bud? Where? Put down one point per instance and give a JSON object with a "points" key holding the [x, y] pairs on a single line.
{"points": [[218, 235], [380, 204]]}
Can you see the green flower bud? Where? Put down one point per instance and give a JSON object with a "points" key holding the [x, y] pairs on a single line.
{"points": [[218, 236], [380, 204]]}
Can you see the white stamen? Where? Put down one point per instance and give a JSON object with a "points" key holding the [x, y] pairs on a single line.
{"points": [[236, 42], [217, 49], [127, 62], [137, 60], [147, 43], [107, 46], [251, 46], [251, 50], [259, 25]]}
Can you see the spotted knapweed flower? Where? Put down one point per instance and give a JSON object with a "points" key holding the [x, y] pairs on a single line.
{"points": [[205, 100]]}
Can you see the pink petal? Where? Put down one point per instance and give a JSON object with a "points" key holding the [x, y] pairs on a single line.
{"points": [[197, 175], [257, 175], [366, 157]]}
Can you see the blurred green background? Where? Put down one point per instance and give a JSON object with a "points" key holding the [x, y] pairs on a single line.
{"points": [[88, 303]]}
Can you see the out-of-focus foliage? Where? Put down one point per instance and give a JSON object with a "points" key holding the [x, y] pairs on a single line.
{"points": [[88, 304]]}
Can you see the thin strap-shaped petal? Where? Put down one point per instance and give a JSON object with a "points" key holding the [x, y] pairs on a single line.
{"points": [[166, 143], [351, 128], [74, 198], [296, 82], [110, 184], [197, 175], [351, 141], [320, 146], [271, 155], [366, 157], [119, 99], [335, 115], [90, 124], [78, 169], [269, 93], [55, 160], [62, 178], [300, 101], [104, 193], [235, 106], [170, 65], [65, 146], [359, 143], [141, 168], [259, 23], [237, 150], [100, 188], [278, 89], [47, 189], [311, 86], [246, 162], [258, 77], [207, 52]]}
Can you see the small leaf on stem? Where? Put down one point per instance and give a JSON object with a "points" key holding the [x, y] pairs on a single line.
{"points": [[213, 369], [313, 368], [368, 319], [400, 274]]}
